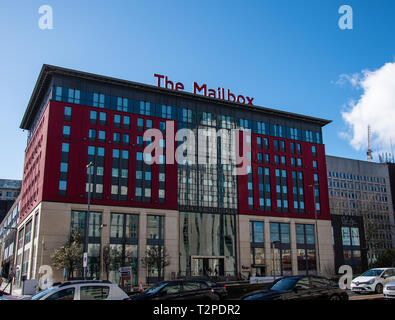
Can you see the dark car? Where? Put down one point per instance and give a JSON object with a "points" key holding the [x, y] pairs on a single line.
{"points": [[300, 288], [186, 289]]}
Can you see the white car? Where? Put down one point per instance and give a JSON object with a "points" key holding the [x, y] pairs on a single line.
{"points": [[389, 290], [373, 280], [83, 290]]}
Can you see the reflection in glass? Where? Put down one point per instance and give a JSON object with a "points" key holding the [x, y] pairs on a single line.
{"points": [[205, 235]]}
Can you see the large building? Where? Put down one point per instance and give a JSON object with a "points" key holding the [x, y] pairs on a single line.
{"points": [[362, 188], [8, 228], [86, 140], [9, 191]]}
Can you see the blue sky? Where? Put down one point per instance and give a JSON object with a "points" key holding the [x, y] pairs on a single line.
{"points": [[288, 55]]}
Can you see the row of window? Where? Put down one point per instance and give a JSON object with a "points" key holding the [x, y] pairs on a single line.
{"points": [[100, 100], [357, 186], [348, 176]]}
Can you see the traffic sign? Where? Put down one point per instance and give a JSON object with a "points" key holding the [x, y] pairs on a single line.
{"points": [[85, 260]]}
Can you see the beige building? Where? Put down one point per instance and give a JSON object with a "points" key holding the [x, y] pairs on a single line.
{"points": [[50, 224]]}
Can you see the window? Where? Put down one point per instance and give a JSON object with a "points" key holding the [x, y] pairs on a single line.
{"points": [[66, 131], [117, 137], [126, 122], [125, 139], [346, 236], [117, 121], [94, 292], [62, 185], [125, 154], [65, 147], [173, 288], [64, 167], [93, 117], [67, 113], [115, 153], [102, 135], [314, 151], [103, 117], [155, 226], [256, 232], [92, 134], [191, 286], [66, 294]]}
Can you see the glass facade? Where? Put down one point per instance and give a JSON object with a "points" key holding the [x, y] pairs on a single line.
{"points": [[124, 247], [207, 244], [257, 243], [281, 248], [93, 232], [305, 242]]}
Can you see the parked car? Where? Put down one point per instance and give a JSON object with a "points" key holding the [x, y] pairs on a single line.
{"points": [[389, 290], [300, 288], [186, 289], [83, 290], [373, 280]]}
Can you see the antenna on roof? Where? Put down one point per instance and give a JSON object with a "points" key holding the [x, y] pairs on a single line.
{"points": [[369, 153]]}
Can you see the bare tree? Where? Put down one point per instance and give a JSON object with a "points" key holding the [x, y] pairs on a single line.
{"points": [[156, 257], [111, 259]]}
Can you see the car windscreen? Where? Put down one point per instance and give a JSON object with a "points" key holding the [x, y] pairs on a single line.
{"points": [[372, 273], [156, 288], [43, 293], [285, 284]]}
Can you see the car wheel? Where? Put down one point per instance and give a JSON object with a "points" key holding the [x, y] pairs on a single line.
{"points": [[335, 297], [379, 288]]}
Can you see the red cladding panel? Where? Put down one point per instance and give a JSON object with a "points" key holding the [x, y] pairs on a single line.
{"points": [[308, 179]]}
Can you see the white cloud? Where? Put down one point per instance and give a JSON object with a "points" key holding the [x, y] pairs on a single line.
{"points": [[354, 79], [375, 107]]}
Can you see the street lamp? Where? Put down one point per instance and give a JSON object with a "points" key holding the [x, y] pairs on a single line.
{"points": [[101, 248], [274, 268], [316, 228], [89, 165]]}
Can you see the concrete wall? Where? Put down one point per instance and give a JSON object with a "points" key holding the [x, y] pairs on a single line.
{"points": [[54, 230]]}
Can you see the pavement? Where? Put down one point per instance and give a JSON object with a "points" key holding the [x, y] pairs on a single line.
{"points": [[364, 296], [16, 291]]}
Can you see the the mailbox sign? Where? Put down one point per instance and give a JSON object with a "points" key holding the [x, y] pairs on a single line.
{"points": [[219, 93]]}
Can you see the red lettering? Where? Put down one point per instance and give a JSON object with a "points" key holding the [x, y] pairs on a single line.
{"points": [[159, 76], [169, 82], [211, 93], [231, 95], [239, 99], [197, 88], [250, 100], [179, 86]]}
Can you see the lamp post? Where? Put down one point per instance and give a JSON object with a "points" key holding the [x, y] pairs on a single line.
{"points": [[89, 165], [316, 229], [274, 266], [101, 248]]}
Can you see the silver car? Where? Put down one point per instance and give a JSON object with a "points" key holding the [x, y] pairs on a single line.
{"points": [[389, 290], [373, 281], [83, 290]]}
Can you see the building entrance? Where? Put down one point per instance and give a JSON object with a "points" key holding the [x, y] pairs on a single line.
{"points": [[207, 266]]}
